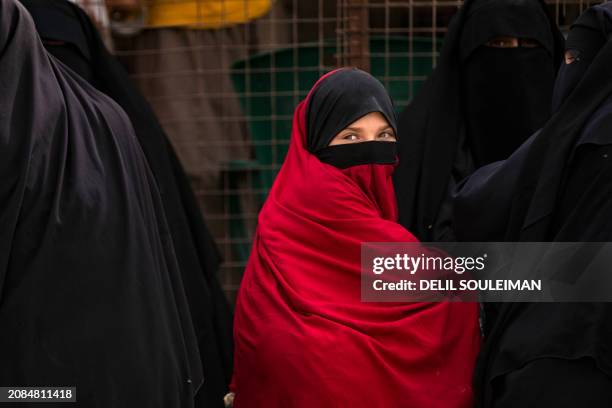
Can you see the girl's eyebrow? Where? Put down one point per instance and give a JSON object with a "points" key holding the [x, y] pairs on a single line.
{"points": [[358, 129], [354, 129]]}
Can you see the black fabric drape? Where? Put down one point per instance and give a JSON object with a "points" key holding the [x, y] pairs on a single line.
{"points": [[434, 149], [91, 294], [556, 187], [198, 258]]}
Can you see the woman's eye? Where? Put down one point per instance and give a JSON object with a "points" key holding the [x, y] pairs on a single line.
{"points": [[503, 42], [386, 135], [572, 56], [350, 137], [529, 43]]}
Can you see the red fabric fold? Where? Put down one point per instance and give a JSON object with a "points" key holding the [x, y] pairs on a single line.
{"points": [[303, 338]]}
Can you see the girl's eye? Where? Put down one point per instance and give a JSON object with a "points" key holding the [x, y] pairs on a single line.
{"points": [[386, 135], [350, 137]]}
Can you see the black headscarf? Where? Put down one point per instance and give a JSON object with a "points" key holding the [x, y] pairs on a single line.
{"points": [[90, 290], [71, 37], [478, 106], [339, 100], [584, 42], [63, 35], [555, 187]]}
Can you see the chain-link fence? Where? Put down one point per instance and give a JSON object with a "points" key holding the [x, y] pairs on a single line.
{"points": [[224, 77]]}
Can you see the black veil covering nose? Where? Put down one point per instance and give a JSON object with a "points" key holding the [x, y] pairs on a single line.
{"points": [[339, 100], [478, 105], [355, 154], [59, 21], [506, 97]]}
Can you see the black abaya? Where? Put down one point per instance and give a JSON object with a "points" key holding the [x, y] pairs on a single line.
{"points": [[556, 187], [91, 294], [84, 52]]}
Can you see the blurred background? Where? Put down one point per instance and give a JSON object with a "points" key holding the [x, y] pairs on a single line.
{"points": [[225, 75]]}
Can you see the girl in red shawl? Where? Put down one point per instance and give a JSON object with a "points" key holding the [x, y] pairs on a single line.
{"points": [[303, 338]]}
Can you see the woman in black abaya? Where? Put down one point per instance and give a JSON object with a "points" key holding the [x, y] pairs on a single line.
{"points": [[91, 294], [489, 92], [69, 35], [556, 187]]}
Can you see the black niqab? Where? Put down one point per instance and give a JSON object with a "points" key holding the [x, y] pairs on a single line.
{"points": [[478, 105], [339, 100], [355, 154], [91, 294], [505, 91], [502, 105], [84, 52]]}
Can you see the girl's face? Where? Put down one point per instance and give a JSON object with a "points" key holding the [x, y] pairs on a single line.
{"points": [[371, 127]]}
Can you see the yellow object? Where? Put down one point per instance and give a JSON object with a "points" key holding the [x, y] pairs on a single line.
{"points": [[204, 14]]}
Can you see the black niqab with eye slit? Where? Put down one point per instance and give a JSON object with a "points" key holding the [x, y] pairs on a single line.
{"points": [[478, 106], [556, 187], [69, 35]]}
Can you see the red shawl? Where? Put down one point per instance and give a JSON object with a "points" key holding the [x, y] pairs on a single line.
{"points": [[303, 338]]}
